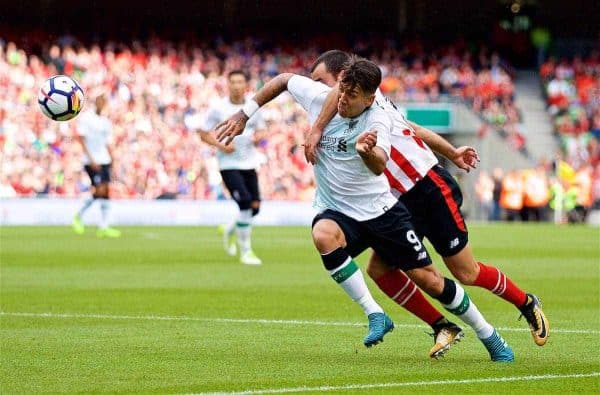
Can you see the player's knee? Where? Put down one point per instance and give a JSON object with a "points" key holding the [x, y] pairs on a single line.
{"points": [[255, 208], [325, 237], [104, 194], [324, 240], [99, 192]]}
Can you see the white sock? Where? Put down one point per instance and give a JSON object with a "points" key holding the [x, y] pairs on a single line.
{"points": [[104, 208], [85, 206], [230, 228], [465, 309], [351, 279], [243, 229]]}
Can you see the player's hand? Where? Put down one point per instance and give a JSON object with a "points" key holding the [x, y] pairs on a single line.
{"points": [[465, 158], [228, 149], [94, 166], [231, 127], [311, 141], [365, 143]]}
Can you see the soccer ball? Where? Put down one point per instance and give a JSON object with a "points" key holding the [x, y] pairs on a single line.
{"points": [[61, 98]]}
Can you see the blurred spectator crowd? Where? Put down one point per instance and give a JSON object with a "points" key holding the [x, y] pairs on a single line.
{"points": [[151, 89], [153, 85], [573, 96], [480, 79], [569, 187]]}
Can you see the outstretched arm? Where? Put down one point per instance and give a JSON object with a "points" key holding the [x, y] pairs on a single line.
{"points": [[465, 157], [235, 124], [325, 116], [272, 89]]}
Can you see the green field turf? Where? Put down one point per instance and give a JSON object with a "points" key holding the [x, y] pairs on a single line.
{"points": [[163, 310]]}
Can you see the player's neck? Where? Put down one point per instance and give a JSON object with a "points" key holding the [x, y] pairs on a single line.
{"points": [[236, 100]]}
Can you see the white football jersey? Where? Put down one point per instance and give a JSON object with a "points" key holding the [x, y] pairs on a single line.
{"points": [[96, 131], [410, 158], [245, 156], [344, 183]]}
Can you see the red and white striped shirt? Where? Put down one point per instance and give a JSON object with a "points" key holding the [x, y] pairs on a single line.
{"points": [[410, 158]]}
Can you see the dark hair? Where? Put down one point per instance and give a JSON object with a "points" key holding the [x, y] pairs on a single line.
{"points": [[333, 60], [361, 72], [238, 72]]}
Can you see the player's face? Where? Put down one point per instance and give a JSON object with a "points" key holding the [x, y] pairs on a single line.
{"points": [[353, 101], [237, 85], [321, 74]]}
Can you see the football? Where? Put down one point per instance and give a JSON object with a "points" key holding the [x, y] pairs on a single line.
{"points": [[61, 98]]}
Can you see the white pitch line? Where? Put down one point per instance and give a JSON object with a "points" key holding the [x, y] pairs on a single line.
{"points": [[251, 321], [405, 384]]}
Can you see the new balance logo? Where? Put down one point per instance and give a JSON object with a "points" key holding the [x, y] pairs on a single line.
{"points": [[342, 145], [454, 243], [422, 255]]}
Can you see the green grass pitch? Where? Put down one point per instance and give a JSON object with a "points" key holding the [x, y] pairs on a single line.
{"points": [[164, 310]]}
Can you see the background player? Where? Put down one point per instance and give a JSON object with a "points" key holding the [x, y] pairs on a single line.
{"points": [[94, 133], [237, 163]]}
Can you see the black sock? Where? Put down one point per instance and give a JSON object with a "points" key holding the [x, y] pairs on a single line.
{"points": [[448, 293], [335, 258]]}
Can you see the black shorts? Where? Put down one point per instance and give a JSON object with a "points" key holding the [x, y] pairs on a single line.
{"points": [[391, 235], [434, 203], [98, 177], [242, 185]]}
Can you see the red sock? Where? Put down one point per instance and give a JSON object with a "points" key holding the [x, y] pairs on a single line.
{"points": [[403, 291], [493, 279]]}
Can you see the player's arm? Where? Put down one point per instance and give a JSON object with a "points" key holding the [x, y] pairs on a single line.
{"points": [[210, 139], [203, 127], [79, 138], [316, 131], [374, 145], [235, 124], [464, 157], [374, 157], [109, 144], [110, 152]]}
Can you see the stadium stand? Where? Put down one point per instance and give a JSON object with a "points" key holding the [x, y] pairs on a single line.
{"points": [[153, 85]]}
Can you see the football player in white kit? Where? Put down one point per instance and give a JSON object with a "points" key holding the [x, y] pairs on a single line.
{"points": [[94, 134], [237, 163], [356, 208]]}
